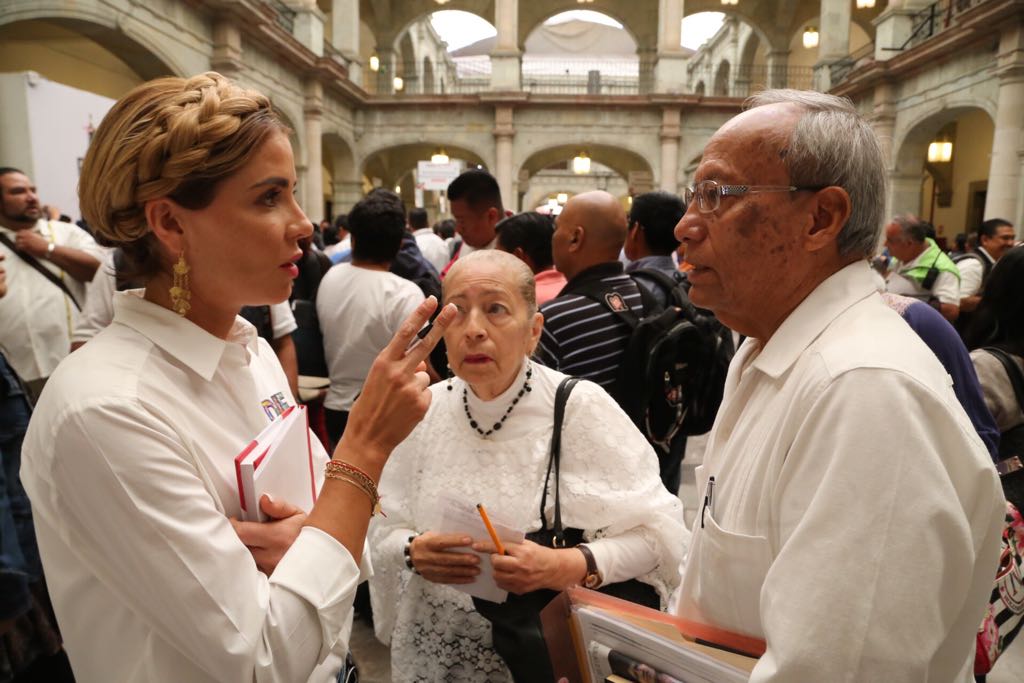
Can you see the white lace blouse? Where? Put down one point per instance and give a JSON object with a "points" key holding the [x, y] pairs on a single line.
{"points": [[609, 487]]}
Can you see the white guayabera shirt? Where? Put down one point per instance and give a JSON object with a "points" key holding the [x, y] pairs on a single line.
{"points": [[856, 515], [129, 463]]}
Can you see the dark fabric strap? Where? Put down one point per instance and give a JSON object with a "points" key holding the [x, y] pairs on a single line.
{"points": [[561, 398], [42, 270], [1012, 370]]}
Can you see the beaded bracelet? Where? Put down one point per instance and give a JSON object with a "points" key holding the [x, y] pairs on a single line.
{"points": [[408, 554], [346, 472]]}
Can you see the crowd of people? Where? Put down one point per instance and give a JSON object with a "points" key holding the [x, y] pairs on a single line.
{"points": [[852, 513]]}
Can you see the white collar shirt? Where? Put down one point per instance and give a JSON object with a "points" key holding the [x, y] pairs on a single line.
{"points": [[433, 247], [972, 272], [855, 515], [129, 463], [38, 318]]}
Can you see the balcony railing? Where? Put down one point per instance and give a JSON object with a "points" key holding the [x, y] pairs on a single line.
{"points": [[842, 68], [936, 18], [748, 79], [567, 76], [451, 78], [285, 14]]}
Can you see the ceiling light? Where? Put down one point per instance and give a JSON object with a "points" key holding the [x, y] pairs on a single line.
{"points": [[810, 37], [562, 197], [398, 83], [730, 2], [581, 164], [374, 63], [439, 157], [865, 4], [398, 189]]}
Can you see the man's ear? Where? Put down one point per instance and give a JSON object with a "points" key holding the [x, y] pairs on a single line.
{"points": [[831, 211], [576, 238], [163, 215]]}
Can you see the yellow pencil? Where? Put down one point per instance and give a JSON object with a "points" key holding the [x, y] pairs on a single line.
{"points": [[490, 528]]}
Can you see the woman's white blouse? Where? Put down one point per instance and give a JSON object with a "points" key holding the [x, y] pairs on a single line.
{"points": [[610, 488], [129, 465]]}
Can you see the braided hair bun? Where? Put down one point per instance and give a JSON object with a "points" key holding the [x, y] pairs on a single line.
{"points": [[170, 137]]}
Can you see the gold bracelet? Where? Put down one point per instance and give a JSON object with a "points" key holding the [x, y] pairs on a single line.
{"points": [[343, 471]]}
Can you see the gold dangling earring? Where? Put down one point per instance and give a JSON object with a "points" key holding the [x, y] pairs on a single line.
{"points": [[181, 296]]}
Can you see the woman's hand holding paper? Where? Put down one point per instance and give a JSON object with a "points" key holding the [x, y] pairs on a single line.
{"points": [[430, 554]]}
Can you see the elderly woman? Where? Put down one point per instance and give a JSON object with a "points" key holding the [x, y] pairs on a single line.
{"points": [[485, 439], [128, 459]]}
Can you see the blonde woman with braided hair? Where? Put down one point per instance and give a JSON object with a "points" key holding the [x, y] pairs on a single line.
{"points": [[129, 456]]}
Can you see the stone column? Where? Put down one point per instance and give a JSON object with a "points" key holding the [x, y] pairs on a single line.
{"points": [[227, 48], [904, 195], [312, 118], [386, 73], [345, 35], [892, 29], [504, 133], [777, 64], [670, 70], [1004, 198], [345, 193], [883, 120], [670, 134], [309, 25], [506, 59], [833, 39]]}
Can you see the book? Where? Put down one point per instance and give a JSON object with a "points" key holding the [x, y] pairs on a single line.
{"points": [[279, 463], [582, 628]]}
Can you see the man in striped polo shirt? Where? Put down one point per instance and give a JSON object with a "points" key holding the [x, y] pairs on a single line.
{"points": [[581, 336]]}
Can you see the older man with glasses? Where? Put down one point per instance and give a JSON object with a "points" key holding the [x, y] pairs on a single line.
{"points": [[851, 515]]}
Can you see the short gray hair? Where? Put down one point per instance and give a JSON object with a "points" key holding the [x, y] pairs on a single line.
{"points": [[832, 144], [523, 281], [910, 226]]}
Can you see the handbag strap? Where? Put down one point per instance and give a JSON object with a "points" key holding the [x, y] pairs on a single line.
{"points": [[561, 398], [1013, 371], [42, 270]]}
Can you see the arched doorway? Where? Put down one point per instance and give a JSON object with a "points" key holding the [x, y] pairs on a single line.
{"points": [[949, 191], [616, 170]]}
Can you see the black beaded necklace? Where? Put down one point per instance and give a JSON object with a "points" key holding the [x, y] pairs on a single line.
{"points": [[508, 411]]}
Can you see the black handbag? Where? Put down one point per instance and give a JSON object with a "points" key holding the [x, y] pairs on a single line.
{"points": [[515, 624], [1011, 442]]}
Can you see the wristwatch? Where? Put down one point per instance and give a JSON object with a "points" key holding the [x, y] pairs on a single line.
{"points": [[49, 249], [593, 577]]}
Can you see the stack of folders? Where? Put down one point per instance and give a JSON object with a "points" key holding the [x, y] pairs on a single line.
{"points": [[279, 463], [613, 640]]}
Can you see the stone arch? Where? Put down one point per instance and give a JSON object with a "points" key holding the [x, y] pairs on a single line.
{"points": [[146, 52], [722, 84], [412, 11], [628, 164], [910, 170], [392, 162], [699, 90]]}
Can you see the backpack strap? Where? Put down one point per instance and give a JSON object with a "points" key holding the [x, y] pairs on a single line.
{"points": [[561, 398], [676, 287], [41, 269], [615, 302]]}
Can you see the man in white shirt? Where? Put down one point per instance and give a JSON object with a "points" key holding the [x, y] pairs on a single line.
{"points": [[925, 271], [39, 314], [852, 516], [995, 237], [360, 304], [433, 247]]}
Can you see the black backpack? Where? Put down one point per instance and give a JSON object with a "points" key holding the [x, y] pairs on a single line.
{"points": [[672, 373]]}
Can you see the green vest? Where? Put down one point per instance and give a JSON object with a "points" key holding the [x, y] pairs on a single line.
{"points": [[933, 255]]}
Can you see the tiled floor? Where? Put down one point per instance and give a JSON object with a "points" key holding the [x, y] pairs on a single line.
{"points": [[375, 666]]}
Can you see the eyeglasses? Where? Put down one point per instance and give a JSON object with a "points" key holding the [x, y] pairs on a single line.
{"points": [[709, 193]]}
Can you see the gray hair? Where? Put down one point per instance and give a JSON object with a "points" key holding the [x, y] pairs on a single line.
{"points": [[520, 273], [832, 144], [911, 227]]}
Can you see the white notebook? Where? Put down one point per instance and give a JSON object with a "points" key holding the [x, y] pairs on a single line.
{"points": [[278, 462]]}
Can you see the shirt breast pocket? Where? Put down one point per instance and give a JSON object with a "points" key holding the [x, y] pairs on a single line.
{"points": [[733, 567]]}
